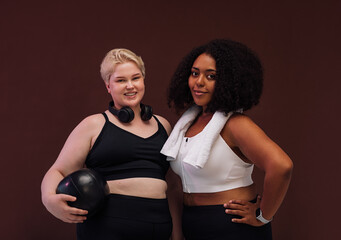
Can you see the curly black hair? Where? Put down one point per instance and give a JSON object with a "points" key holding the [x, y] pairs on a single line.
{"points": [[239, 77]]}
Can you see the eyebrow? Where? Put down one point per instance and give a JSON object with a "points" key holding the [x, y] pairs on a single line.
{"points": [[207, 70], [134, 75]]}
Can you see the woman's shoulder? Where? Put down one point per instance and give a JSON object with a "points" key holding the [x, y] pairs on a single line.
{"points": [[89, 127], [239, 123], [239, 119], [92, 122], [94, 119], [164, 123], [241, 127]]}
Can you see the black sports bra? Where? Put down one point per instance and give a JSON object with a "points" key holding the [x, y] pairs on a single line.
{"points": [[119, 154]]}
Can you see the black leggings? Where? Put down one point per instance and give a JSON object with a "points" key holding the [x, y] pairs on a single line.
{"points": [[212, 223], [127, 217]]}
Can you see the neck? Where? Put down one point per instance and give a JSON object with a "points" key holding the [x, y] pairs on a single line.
{"points": [[203, 117], [205, 114]]}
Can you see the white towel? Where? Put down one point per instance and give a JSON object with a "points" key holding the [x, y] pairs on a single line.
{"points": [[200, 153]]}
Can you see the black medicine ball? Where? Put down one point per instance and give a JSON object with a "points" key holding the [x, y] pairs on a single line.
{"points": [[89, 187]]}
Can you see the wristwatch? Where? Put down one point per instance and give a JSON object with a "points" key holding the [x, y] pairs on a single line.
{"points": [[260, 217]]}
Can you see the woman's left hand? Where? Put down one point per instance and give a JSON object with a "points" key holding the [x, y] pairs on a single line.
{"points": [[246, 210]]}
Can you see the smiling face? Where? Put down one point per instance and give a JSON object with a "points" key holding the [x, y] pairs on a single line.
{"points": [[126, 85], [202, 80]]}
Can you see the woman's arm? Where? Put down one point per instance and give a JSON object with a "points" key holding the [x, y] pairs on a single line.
{"points": [[258, 148], [70, 159], [175, 201]]}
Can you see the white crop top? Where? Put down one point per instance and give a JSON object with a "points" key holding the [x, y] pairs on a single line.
{"points": [[224, 170]]}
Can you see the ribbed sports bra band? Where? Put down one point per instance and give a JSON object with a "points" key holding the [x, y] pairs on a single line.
{"points": [[126, 114]]}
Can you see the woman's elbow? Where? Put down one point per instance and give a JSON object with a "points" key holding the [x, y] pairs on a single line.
{"points": [[281, 168], [285, 168]]}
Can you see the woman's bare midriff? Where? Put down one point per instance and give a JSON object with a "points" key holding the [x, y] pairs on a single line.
{"points": [[200, 199], [139, 187]]}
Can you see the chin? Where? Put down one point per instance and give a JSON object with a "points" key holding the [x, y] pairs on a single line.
{"points": [[133, 103], [201, 103]]}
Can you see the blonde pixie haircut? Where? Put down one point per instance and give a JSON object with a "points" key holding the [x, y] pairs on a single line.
{"points": [[118, 56]]}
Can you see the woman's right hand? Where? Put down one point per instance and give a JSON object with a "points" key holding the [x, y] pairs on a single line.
{"points": [[57, 205]]}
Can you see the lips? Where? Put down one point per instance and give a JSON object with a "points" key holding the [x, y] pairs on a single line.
{"points": [[199, 92], [130, 94]]}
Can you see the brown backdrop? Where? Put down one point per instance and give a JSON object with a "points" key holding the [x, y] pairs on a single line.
{"points": [[50, 53]]}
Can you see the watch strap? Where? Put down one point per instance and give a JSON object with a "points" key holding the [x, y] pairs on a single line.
{"points": [[260, 217]]}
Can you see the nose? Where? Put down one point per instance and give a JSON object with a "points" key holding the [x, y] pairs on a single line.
{"points": [[200, 80], [129, 84]]}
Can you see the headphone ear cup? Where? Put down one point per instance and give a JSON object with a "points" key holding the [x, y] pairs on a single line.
{"points": [[125, 114], [146, 112]]}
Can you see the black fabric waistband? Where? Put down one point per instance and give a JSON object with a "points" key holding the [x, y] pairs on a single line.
{"points": [[138, 208]]}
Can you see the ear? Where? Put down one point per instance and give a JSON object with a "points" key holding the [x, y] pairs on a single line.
{"points": [[107, 85]]}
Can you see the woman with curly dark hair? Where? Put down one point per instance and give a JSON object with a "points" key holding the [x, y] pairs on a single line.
{"points": [[214, 146]]}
